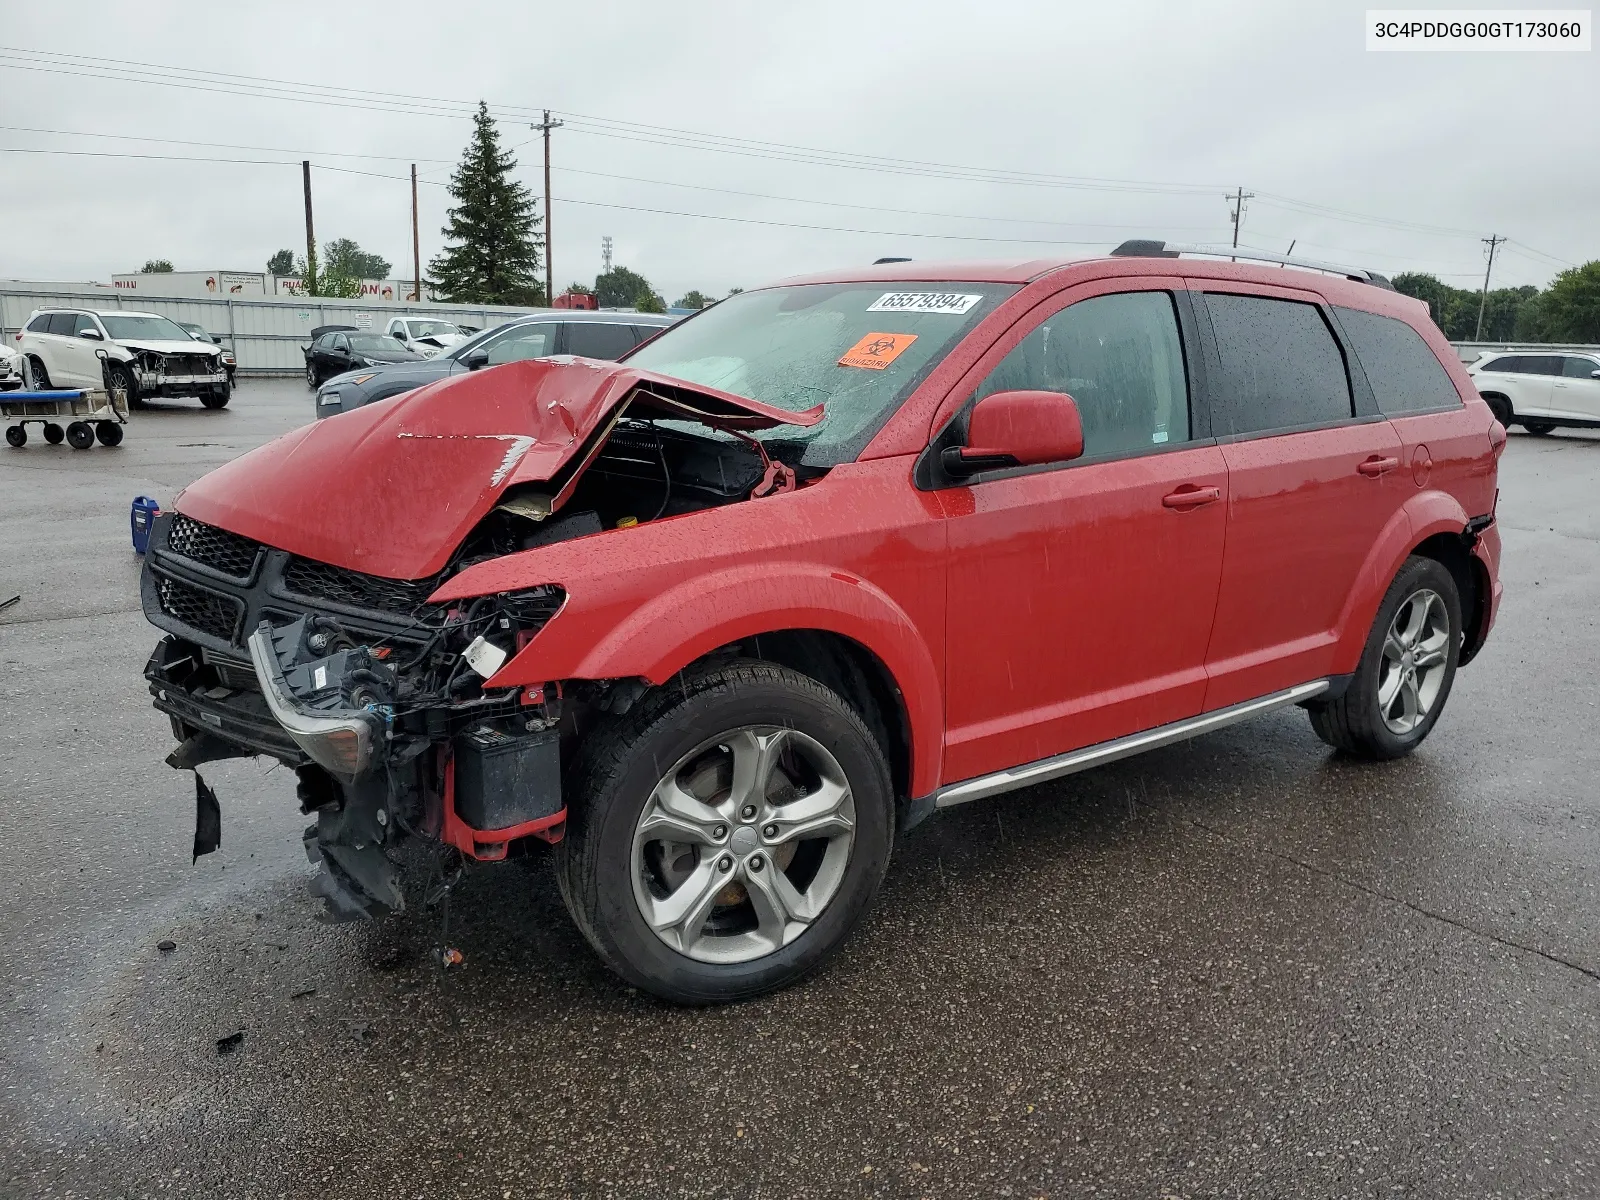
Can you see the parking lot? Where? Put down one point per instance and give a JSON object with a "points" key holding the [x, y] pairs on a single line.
{"points": [[1241, 966]]}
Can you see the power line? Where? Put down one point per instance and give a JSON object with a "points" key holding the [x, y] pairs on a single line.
{"points": [[128, 137]]}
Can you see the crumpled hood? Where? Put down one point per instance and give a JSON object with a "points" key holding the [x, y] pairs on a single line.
{"points": [[185, 347], [392, 488]]}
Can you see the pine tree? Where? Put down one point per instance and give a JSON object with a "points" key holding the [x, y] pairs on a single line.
{"points": [[493, 246]]}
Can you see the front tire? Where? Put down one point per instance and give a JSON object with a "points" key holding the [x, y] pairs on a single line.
{"points": [[120, 375], [217, 397], [1406, 670], [726, 834]]}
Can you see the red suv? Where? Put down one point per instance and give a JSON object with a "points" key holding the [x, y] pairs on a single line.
{"points": [[722, 618]]}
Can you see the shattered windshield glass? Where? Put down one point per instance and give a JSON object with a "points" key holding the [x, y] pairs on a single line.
{"points": [[856, 348]]}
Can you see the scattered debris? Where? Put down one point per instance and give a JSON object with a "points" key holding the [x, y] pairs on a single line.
{"points": [[362, 1031], [303, 993], [207, 819], [227, 1045], [448, 956], [5, 604], [166, 945]]}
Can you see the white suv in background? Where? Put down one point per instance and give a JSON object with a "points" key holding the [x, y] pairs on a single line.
{"points": [[425, 335], [146, 354], [1540, 391]]}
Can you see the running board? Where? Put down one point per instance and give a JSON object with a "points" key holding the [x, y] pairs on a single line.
{"points": [[1106, 752]]}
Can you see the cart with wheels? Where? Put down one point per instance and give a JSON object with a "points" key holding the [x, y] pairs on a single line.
{"points": [[88, 415]]}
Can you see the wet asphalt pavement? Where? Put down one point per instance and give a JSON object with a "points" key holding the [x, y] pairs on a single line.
{"points": [[1237, 967]]}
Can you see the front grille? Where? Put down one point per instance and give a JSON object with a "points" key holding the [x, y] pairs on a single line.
{"points": [[232, 673], [186, 364], [324, 581], [212, 547], [209, 612]]}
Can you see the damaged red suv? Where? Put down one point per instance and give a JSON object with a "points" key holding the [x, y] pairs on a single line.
{"points": [[722, 618]]}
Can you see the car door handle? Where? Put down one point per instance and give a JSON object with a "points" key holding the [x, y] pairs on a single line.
{"points": [[1376, 466], [1190, 496]]}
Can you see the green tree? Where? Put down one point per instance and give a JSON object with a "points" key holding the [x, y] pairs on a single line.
{"points": [[621, 288], [1508, 313], [734, 291], [693, 299], [326, 283], [345, 257], [650, 303], [492, 254], [1571, 306], [281, 263], [156, 266]]}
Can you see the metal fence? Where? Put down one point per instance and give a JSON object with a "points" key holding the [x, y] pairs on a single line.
{"points": [[265, 333], [1469, 351]]}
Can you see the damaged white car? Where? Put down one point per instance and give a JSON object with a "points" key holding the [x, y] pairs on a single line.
{"points": [[426, 336], [145, 354]]}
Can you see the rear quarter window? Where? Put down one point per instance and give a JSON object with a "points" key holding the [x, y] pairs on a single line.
{"points": [[1403, 372], [1281, 366], [40, 324], [1505, 365]]}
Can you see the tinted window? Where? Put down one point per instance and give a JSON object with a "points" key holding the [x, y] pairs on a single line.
{"points": [[40, 324], [523, 341], [1505, 365], [82, 323], [1281, 366], [340, 342], [62, 323], [1120, 357], [1580, 368], [597, 340], [1541, 364], [1404, 374]]}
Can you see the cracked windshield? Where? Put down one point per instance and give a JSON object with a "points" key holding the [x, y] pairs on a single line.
{"points": [[856, 349]]}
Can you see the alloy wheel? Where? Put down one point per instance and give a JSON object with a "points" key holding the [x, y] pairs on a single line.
{"points": [[742, 844], [1415, 660]]}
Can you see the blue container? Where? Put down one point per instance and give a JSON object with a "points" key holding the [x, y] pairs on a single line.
{"points": [[145, 511]]}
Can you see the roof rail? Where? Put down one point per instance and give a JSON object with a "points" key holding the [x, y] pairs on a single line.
{"points": [[1146, 248], [878, 262]]}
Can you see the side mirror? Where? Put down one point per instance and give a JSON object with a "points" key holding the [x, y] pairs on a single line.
{"points": [[475, 360], [1017, 429], [399, 335], [1594, 374], [92, 334]]}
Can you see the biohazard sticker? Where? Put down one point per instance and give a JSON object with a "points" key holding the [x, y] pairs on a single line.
{"points": [[924, 302], [877, 350]]}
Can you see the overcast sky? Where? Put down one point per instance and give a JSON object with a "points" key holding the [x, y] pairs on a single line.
{"points": [[1429, 151]]}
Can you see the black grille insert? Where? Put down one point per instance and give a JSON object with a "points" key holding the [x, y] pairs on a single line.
{"points": [[209, 612], [209, 546], [324, 581]]}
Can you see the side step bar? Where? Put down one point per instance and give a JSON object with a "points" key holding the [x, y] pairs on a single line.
{"points": [[1106, 752]]}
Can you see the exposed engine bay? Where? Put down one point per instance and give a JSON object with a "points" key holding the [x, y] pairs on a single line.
{"points": [[160, 374], [376, 698]]}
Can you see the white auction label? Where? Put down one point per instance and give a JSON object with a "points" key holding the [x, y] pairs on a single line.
{"points": [[924, 302]]}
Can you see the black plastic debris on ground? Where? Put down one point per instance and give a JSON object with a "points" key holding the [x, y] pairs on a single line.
{"points": [[227, 1045], [166, 945]]}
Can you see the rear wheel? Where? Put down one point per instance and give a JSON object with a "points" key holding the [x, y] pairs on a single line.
{"points": [[1501, 408], [16, 435], [41, 377], [80, 435], [727, 834], [1406, 670], [1538, 428], [311, 377]]}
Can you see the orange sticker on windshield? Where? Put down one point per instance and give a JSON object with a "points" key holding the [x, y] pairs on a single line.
{"points": [[877, 350]]}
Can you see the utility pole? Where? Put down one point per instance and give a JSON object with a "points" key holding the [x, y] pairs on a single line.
{"points": [[549, 274], [416, 244], [311, 237], [1237, 211], [1491, 241]]}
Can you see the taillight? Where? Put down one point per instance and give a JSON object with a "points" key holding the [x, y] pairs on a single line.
{"points": [[1497, 438]]}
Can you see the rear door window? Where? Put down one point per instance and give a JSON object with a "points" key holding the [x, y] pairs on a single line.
{"points": [[1404, 373], [1580, 368], [1281, 366], [62, 323], [594, 339], [1542, 364], [1120, 357]]}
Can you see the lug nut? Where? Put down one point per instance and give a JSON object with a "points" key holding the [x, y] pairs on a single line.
{"points": [[757, 863], [725, 863], [748, 811], [720, 832], [771, 831]]}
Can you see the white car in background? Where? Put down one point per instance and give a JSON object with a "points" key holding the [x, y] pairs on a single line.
{"points": [[146, 355], [426, 336], [13, 370], [1540, 391]]}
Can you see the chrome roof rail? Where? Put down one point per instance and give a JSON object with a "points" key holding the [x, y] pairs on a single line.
{"points": [[1146, 248]]}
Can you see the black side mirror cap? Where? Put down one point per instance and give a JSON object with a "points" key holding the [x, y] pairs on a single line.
{"points": [[476, 360]]}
